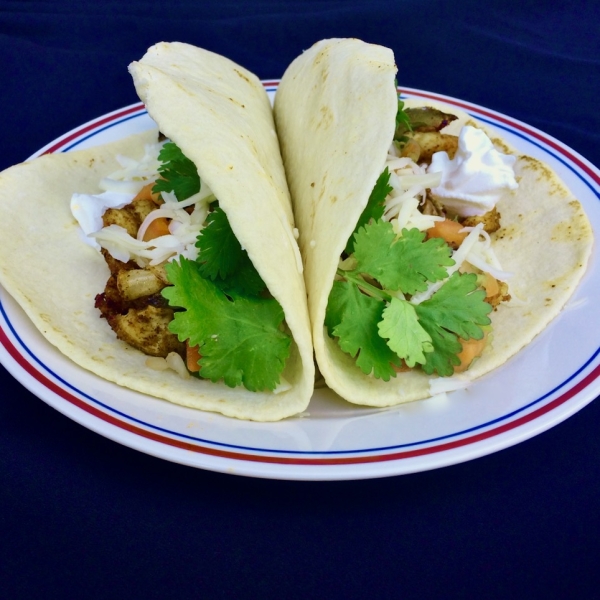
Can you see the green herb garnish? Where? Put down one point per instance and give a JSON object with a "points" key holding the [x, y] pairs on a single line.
{"points": [[368, 305], [223, 260], [178, 173], [241, 339], [375, 206], [403, 122], [240, 334]]}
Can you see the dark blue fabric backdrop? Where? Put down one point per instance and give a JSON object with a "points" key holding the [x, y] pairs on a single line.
{"points": [[81, 516]]}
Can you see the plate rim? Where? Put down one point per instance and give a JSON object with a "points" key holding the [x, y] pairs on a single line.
{"points": [[345, 468]]}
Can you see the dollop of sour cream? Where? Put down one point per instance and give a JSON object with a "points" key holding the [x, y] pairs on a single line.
{"points": [[476, 178]]}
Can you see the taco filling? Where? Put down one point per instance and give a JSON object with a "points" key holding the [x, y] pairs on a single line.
{"points": [[198, 234], [419, 277], [181, 288], [433, 251]]}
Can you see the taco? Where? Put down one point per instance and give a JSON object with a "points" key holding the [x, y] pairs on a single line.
{"points": [[196, 260], [433, 252]]}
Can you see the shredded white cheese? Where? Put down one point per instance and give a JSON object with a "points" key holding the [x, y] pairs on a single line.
{"points": [[176, 363], [283, 386], [183, 226], [134, 174], [443, 385], [409, 183], [482, 256]]}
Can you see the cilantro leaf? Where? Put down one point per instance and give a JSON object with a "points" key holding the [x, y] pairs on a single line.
{"points": [[459, 306], [375, 206], [240, 339], [222, 259], [405, 335], [405, 264], [403, 122], [352, 317], [446, 349], [245, 281], [220, 251], [178, 173], [457, 309]]}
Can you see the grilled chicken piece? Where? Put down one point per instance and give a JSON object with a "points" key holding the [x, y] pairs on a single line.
{"points": [[147, 329], [124, 217], [490, 220], [431, 142], [135, 283], [131, 302], [425, 118], [115, 265], [131, 216], [411, 149], [143, 207], [112, 302], [141, 320], [432, 206]]}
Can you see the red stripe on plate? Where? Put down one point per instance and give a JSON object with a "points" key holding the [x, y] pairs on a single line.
{"points": [[94, 125], [343, 460], [340, 460]]}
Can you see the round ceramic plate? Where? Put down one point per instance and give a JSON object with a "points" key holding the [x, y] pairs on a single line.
{"points": [[552, 378]]}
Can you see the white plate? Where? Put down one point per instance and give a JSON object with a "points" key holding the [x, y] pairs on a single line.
{"points": [[555, 376]]}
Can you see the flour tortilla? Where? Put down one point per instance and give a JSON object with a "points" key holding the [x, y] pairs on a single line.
{"points": [[335, 114], [219, 115]]}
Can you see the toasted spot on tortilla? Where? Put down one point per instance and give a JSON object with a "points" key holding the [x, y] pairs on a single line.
{"points": [[565, 231], [322, 54], [241, 75], [501, 145], [326, 117], [543, 172]]}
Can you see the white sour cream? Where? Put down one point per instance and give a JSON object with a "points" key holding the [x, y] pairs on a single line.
{"points": [[476, 178]]}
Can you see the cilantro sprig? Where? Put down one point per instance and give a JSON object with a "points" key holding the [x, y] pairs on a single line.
{"points": [[457, 310], [403, 121], [239, 331], [241, 339], [370, 312], [222, 259], [353, 317], [178, 173], [406, 263], [375, 206]]}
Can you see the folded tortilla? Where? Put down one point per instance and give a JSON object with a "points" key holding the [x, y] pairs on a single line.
{"points": [[335, 113], [219, 114]]}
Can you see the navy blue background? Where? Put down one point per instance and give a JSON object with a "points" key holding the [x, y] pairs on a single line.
{"points": [[81, 516]]}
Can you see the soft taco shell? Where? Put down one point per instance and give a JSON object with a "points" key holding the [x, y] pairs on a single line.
{"points": [[220, 116], [332, 166]]}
